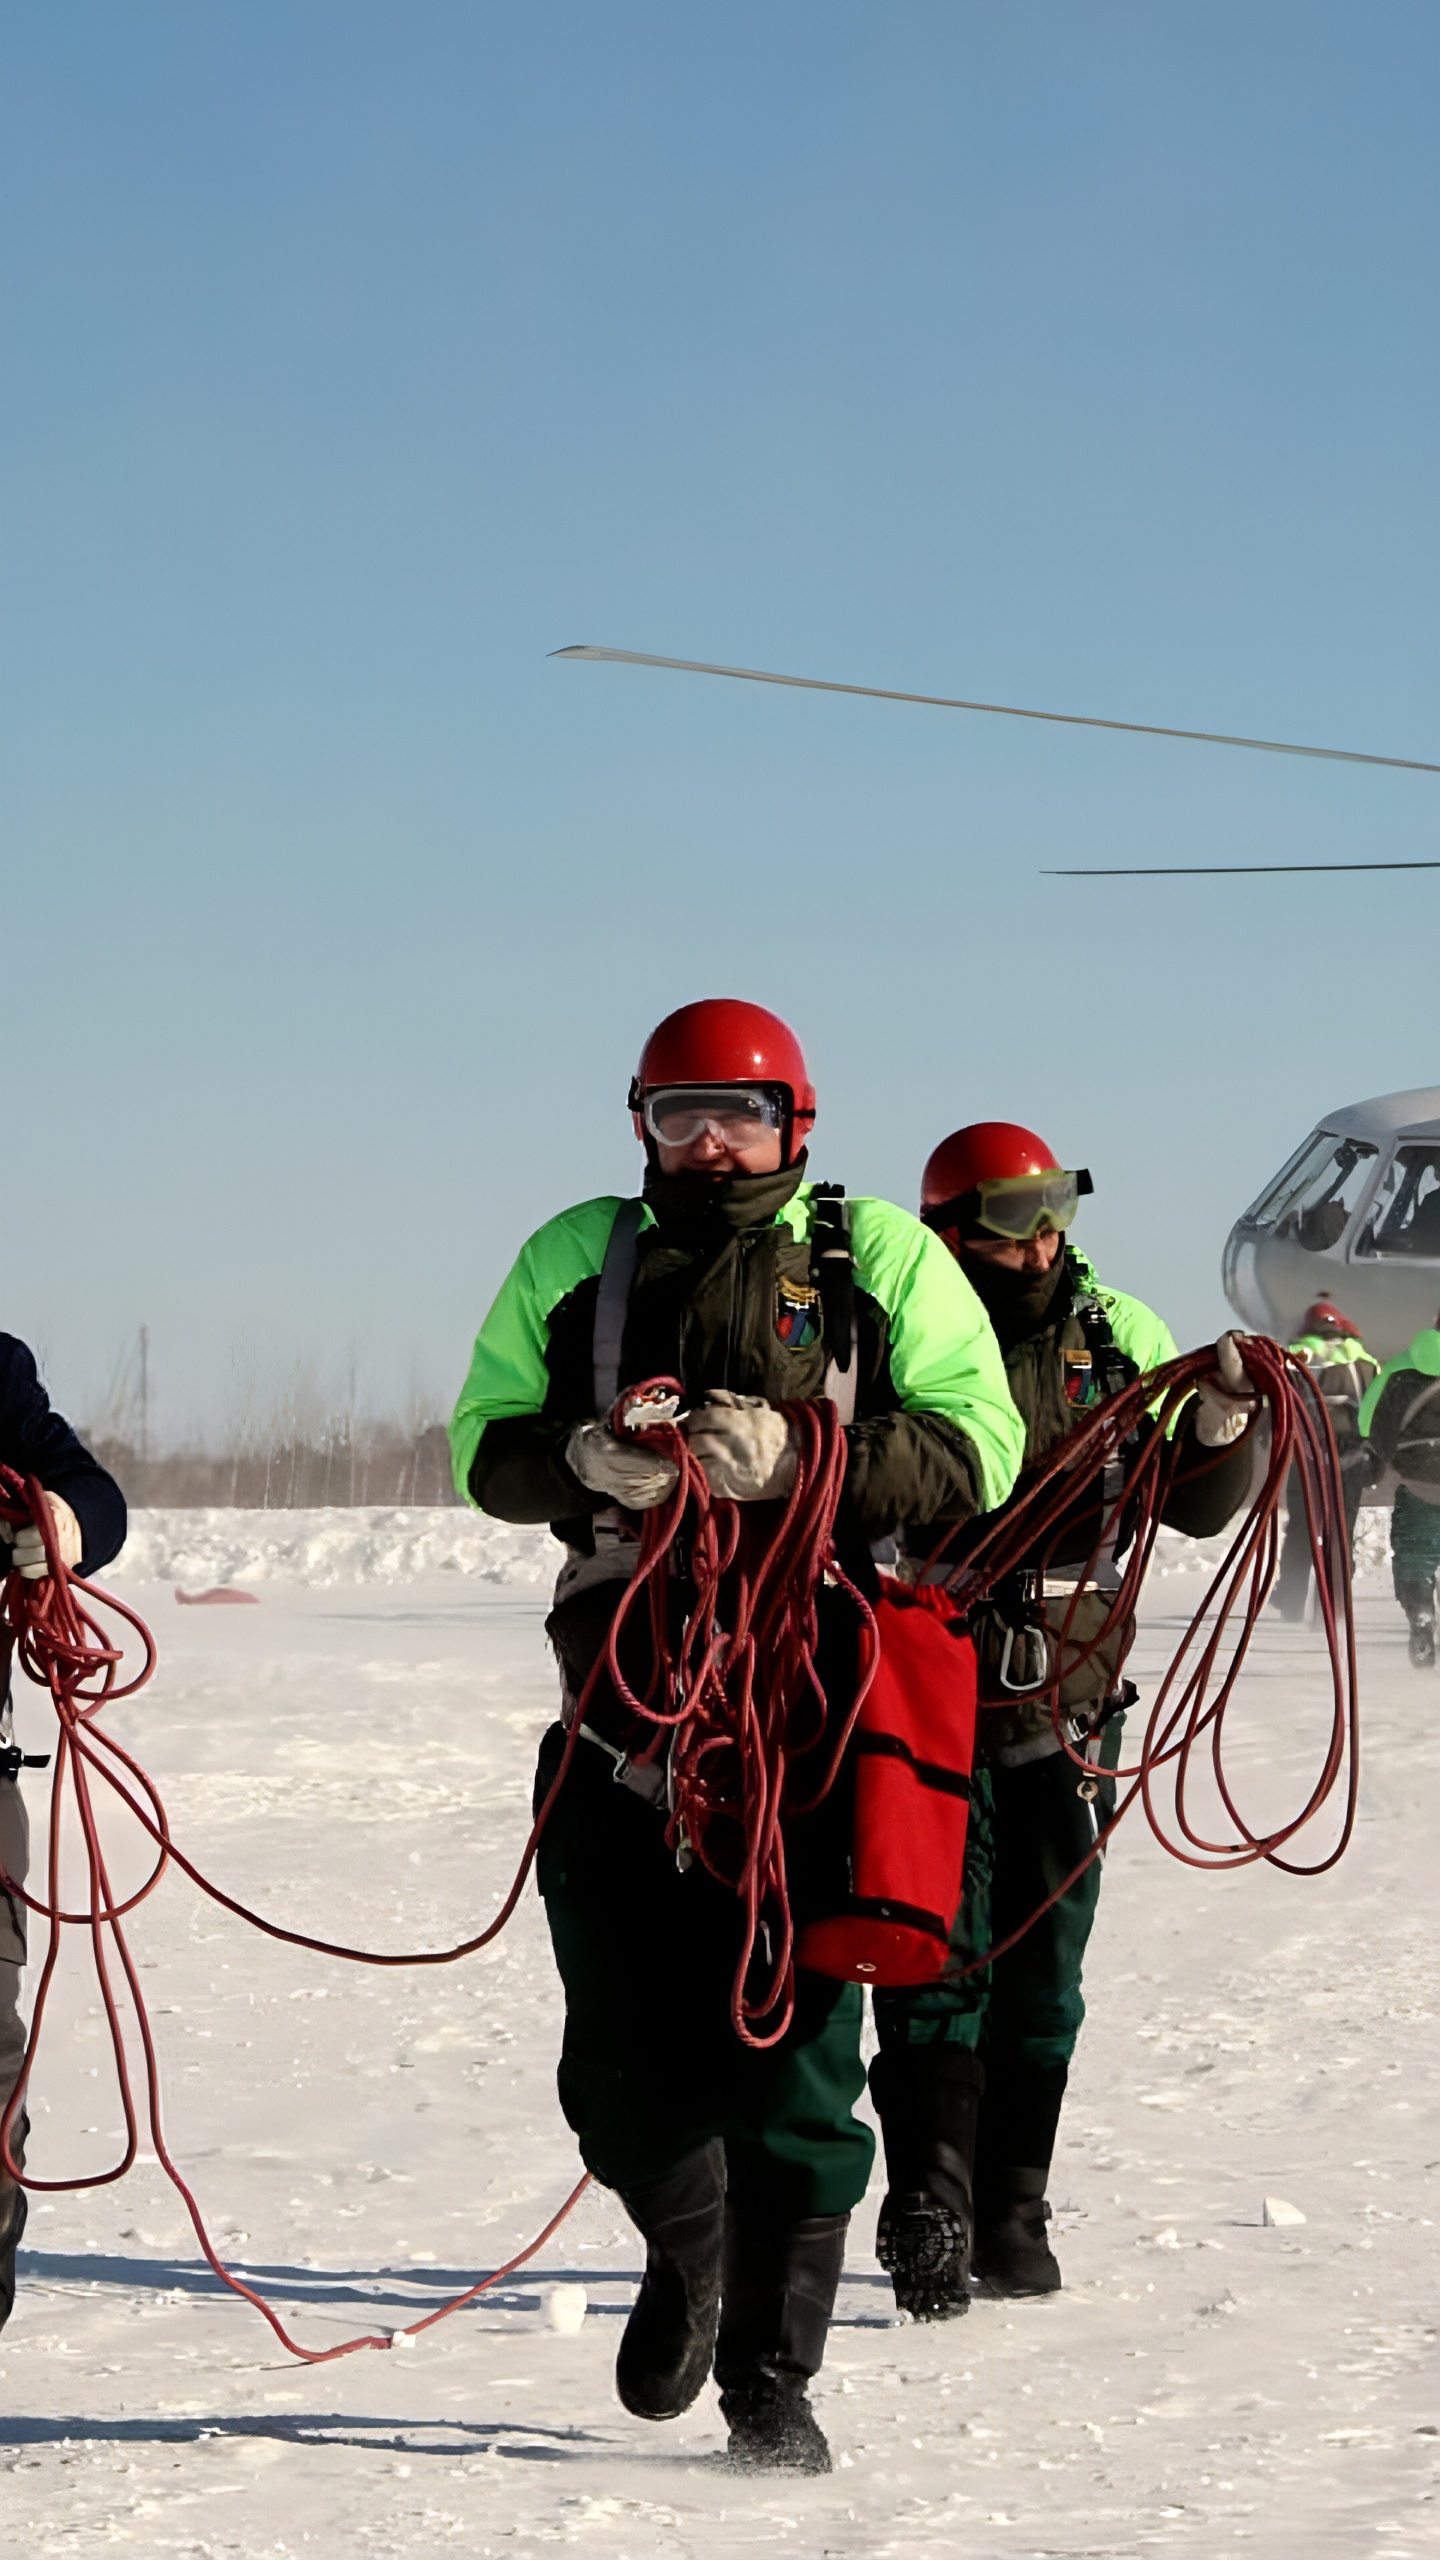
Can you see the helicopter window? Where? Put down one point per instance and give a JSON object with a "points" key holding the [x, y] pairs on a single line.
{"points": [[1317, 1195], [1406, 1215], [1292, 1179]]}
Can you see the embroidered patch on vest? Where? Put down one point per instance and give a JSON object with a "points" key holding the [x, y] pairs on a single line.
{"points": [[797, 1314], [1079, 1377]]}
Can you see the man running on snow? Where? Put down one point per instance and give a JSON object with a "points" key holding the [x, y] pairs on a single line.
{"points": [[1400, 1428], [735, 1275], [1330, 1346], [88, 1510], [971, 2072]]}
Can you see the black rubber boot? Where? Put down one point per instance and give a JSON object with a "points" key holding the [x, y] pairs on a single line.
{"points": [[928, 2101], [1012, 2253], [1018, 2124], [669, 2339], [779, 2291], [14, 2209]]}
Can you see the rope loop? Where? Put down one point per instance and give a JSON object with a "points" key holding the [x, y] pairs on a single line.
{"points": [[732, 1596]]}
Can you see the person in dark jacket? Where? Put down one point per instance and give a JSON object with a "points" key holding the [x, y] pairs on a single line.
{"points": [[1400, 1429], [972, 2070], [1343, 1369], [87, 1508], [739, 2167]]}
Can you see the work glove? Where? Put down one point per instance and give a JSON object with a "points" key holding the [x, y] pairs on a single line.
{"points": [[28, 1547], [1224, 1409], [746, 1448], [623, 1470]]}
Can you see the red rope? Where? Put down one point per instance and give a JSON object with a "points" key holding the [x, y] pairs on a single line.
{"points": [[62, 1647], [741, 1694], [736, 1693], [742, 1698], [1197, 1691]]}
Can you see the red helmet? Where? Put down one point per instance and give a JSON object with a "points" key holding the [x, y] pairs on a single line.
{"points": [[1325, 1318], [987, 1151], [721, 1040], [995, 1178]]}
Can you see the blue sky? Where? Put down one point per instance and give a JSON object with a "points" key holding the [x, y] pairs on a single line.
{"points": [[359, 355]]}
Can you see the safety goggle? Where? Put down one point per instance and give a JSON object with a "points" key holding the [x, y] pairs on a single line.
{"points": [[735, 1114], [1019, 1206]]}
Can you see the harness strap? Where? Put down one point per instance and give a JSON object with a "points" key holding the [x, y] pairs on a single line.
{"points": [[1114, 1372], [832, 1260], [612, 1301], [1427, 1394], [645, 1779]]}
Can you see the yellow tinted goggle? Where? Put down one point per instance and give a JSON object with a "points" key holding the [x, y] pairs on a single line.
{"points": [[1021, 1205]]}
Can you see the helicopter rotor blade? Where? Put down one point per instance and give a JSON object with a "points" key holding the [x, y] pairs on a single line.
{"points": [[1003, 710], [1225, 870]]}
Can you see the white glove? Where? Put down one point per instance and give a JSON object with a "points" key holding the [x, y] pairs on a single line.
{"points": [[624, 1471], [28, 1557], [1222, 1412], [746, 1448]]}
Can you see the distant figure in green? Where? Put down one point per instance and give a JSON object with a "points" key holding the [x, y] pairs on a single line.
{"points": [[1331, 1348], [1400, 1423]]}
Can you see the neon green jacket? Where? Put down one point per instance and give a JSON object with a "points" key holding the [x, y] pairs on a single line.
{"points": [[1332, 1351], [1039, 1351], [935, 1435], [1423, 1356], [1143, 1336]]}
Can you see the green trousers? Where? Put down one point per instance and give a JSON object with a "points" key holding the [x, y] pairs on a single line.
{"points": [[651, 2067], [1414, 1544], [1028, 1828]]}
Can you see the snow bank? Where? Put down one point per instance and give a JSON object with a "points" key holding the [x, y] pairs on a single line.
{"points": [[201, 1548]]}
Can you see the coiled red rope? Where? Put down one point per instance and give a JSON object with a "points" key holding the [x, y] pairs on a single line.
{"points": [[62, 1646], [740, 1694], [734, 1693], [1197, 1690]]}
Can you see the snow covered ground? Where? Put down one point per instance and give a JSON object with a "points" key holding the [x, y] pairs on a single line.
{"points": [[203, 1549], [354, 1754]]}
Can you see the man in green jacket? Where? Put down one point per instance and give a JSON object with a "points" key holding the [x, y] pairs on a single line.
{"points": [[971, 2073], [735, 1275], [1400, 1426], [1342, 1367]]}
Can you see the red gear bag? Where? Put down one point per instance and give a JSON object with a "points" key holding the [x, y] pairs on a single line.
{"points": [[912, 1752]]}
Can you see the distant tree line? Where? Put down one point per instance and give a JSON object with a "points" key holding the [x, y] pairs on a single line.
{"points": [[287, 1468]]}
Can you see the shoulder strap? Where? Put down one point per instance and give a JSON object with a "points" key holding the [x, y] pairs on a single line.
{"points": [[1113, 1369], [612, 1301], [1417, 1405], [832, 1264]]}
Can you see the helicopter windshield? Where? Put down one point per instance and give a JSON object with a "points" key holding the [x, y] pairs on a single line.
{"points": [[1312, 1202], [1406, 1215]]}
